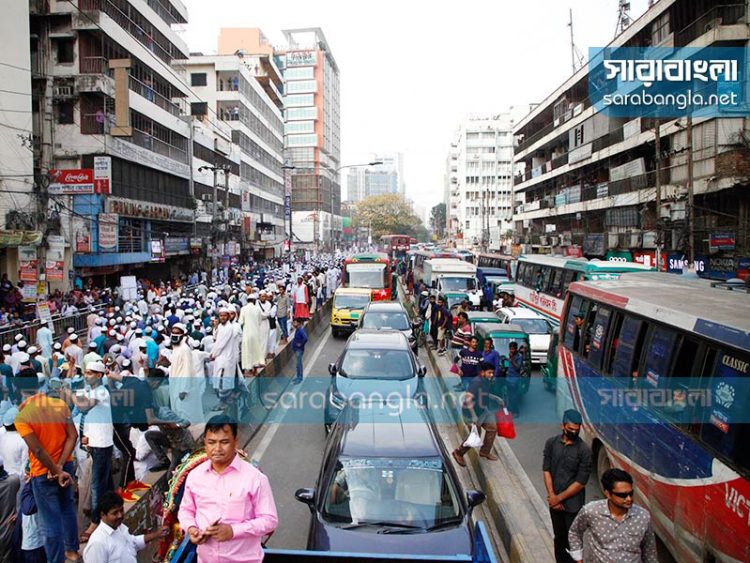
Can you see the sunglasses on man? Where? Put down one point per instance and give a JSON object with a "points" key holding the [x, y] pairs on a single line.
{"points": [[623, 495]]}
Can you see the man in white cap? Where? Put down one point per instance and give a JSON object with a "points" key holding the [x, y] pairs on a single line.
{"points": [[253, 339], [44, 339], [224, 355], [268, 311], [185, 387], [91, 356], [16, 339], [15, 359], [13, 449], [73, 349]]}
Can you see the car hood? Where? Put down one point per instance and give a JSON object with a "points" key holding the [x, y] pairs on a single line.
{"points": [[376, 388], [452, 541]]}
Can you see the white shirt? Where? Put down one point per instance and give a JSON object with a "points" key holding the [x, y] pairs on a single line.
{"points": [[113, 546], [14, 452], [97, 426]]}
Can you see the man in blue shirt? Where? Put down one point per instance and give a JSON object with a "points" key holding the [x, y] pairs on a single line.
{"points": [[514, 371], [298, 346]]}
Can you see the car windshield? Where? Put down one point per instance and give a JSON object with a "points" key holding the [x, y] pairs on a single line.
{"points": [[344, 301], [366, 275], [497, 279], [377, 364], [416, 492], [502, 344], [396, 320], [533, 326], [458, 284]]}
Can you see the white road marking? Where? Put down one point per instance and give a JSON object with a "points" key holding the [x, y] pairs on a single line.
{"points": [[273, 427]]}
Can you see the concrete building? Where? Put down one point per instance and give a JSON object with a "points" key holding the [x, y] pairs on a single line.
{"points": [[385, 178], [227, 89], [109, 113], [312, 136], [587, 183], [17, 206], [479, 172]]}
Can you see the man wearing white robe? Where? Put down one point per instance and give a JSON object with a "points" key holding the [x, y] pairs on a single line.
{"points": [[224, 354], [253, 342], [268, 311], [185, 386]]}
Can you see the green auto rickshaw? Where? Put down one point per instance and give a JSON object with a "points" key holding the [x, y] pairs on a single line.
{"points": [[502, 335]]}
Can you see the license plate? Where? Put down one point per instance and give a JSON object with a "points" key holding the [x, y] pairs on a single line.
{"points": [[355, 315]]}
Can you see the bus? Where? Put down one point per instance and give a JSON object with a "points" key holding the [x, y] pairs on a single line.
{"points": [[372, 271], [396, 246], [659, 367], [418, 257], [497, 261], [542, 281]]}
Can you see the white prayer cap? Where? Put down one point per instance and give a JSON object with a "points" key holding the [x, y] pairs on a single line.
{"points": [[73, 337], [97, 367], [180, 327], [19, 336], [112, 332], [22, 344], [92, 345], [254, 296], [7, 348], [23, 357], [33, 350], [224, 310], [71, 330]]}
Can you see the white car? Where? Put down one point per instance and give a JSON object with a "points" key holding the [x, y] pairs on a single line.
{"points": [[536, 326]]}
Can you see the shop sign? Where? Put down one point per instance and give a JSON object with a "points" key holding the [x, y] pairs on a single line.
{"points": [[619, 256], [300, 58], [43, 312], [574, 251], [676, 263], [29, 292], [724, 240], [102, 174], [10, 238], [83, 241], [157, 251], [196, 246], [144, 210], [72, 182], [28, 264], [645, 257], [593, 245], [108, 231], [177, 245]]}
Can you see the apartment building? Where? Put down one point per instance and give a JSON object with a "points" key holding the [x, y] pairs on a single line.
{"points": [[379, 179], [586, 183]]}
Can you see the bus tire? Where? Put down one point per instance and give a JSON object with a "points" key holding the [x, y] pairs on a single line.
{"points": [[602, 463]]}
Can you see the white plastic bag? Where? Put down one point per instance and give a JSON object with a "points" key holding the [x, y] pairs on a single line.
{"points": [[474, 440]]}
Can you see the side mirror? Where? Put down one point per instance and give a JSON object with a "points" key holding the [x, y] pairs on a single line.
{"points": [[332, 369], [422, 370], [307, 496], [473, 498]]}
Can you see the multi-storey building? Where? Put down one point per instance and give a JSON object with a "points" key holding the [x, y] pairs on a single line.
{"points": [[112, 136], [312, 136], [243, 93], [450, 191], [385, 178], [587, 183], [480, 209], [17, 205]]}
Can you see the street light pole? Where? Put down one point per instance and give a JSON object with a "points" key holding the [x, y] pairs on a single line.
{"points": [[288, 203]]}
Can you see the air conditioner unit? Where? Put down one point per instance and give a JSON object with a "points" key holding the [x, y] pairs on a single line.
{"points": [[613, 240], [635, 239]]}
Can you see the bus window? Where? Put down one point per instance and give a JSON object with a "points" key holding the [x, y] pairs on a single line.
{"points": [[628, 348], [571, 331], [555, 284], [521, 271], [725, 427], [676, 403], [546, 276], [658, 355], [588, 329], [612, 350], [568, 277], [598, 336]]}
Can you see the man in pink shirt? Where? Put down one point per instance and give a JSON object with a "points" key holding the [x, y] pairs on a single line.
{"points": [[228, 505]]}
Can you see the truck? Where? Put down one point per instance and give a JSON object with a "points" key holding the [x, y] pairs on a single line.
{"points": [[453, 277]]}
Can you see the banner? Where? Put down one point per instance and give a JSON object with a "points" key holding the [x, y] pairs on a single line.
{"points": [[71, 182], [83, 241], [43, 312], [55, 266], [28, 264], [102, 174], [108, 230]]}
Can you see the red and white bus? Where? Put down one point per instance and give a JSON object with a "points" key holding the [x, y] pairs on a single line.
{"points": [[371, 271], [659, 366], [396, 246]]}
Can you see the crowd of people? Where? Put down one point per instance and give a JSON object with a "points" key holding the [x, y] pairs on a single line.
{"points": [[131, 393]]}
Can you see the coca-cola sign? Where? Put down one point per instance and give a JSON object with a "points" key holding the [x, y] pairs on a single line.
{"points": [[75, 181]]}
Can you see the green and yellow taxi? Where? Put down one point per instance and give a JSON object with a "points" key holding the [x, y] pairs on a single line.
{"points": [[348, 304]]}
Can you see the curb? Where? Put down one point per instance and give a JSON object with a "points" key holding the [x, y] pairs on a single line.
{"points": [[519, 514]]}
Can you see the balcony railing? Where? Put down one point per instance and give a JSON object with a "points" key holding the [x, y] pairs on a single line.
{"points": [[153, 96], [93, 65], [96, 123], [129, 243], [153, 144], [727, 14], [162, 11]]}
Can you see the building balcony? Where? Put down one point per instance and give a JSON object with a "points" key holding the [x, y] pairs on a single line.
{"points": [[147, 141], [711, 21], [147, 92]]}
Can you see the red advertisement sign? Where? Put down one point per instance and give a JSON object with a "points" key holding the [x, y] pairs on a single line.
{"points": [[74, 181], [645, 257], [28, 263], [573, 251]]}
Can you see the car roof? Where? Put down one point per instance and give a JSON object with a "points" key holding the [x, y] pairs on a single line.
{"points": [[491, 328], [521, 313], [476, 315], [383, 430], [385, 339], [386, 306], [353, 291]]}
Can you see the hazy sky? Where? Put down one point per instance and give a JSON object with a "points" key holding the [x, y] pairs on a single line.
{"points": [[412, 69]]}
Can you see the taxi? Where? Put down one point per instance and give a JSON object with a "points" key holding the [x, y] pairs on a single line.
{"points": [[348, 304]]}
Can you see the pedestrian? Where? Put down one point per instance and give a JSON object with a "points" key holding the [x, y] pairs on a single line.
{"points": [[613, 529], [299, 340], [282, 312], [44, 339], [224, 355], [112, 542], [463, 331], [301, 300], [566, 467], [478, 409], [225, 480], [185, 386], [469, 359], [269, 312], [253, 343], [10, 484], [45, 424], [441, 320], [490, 355], [97, 436], [13, 449]]}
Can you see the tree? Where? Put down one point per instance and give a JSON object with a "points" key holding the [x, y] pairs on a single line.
{"points": [[438, 219], [387, 214]]}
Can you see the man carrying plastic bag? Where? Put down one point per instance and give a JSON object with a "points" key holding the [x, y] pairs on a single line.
{"points": [[479, 406]]}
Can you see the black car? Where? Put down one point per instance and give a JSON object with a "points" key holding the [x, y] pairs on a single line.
{"points": [[386, 486], [389, 315], [374, 364]]}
